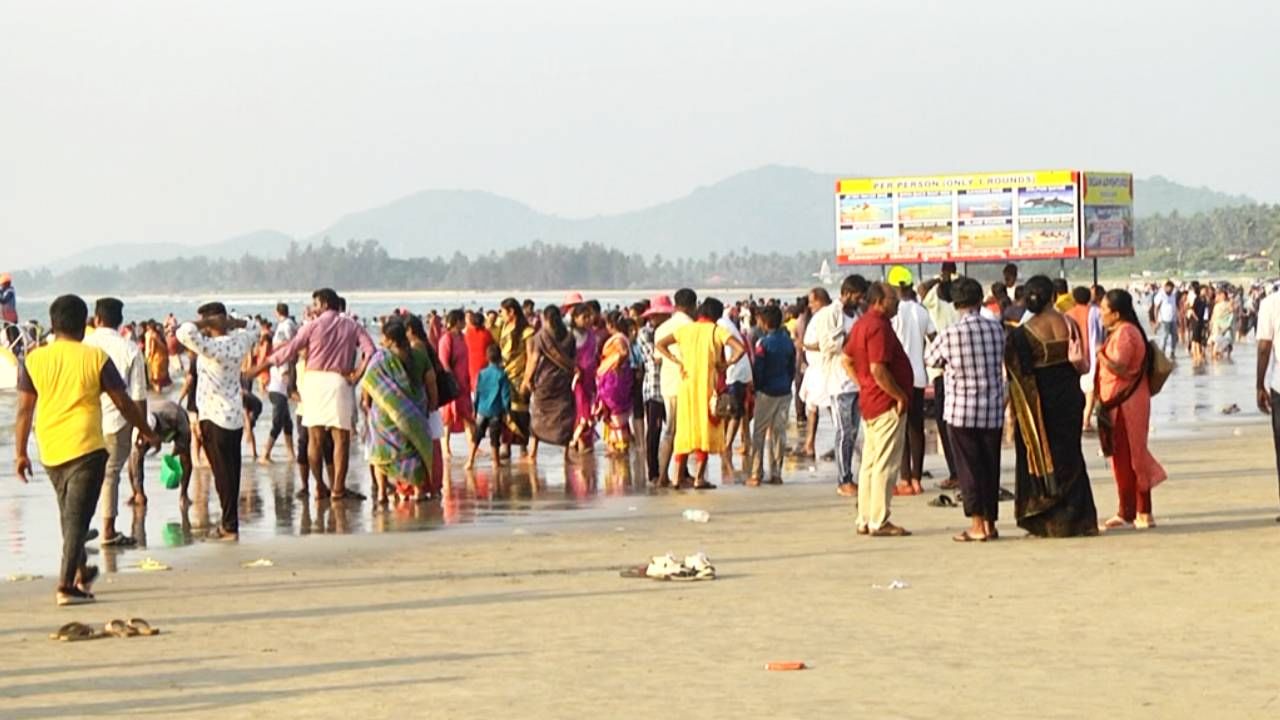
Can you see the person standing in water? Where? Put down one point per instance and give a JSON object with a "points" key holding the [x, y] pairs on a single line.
{"points": [[221, 344], [333, 342], [59, 388], [108, 315]]}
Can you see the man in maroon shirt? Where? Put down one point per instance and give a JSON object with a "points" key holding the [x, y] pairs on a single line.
{"points": [[874, 358]]}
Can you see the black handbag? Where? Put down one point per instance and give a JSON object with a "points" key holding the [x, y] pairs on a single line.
{"points": [[447, 388]]}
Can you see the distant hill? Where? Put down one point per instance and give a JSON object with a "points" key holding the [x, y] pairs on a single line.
{"points": [[1160, 196], [266, 244], [769, 209]]}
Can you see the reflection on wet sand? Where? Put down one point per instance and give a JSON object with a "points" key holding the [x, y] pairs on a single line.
{"points": [[488, 496]]}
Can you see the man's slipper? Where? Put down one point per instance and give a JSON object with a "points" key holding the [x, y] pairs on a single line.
{"points": [[74, 596], [966, 537], [704, 486], [119, 540], [949, 484], [942, 501], [902, 490], [890, 530], [1005, 495], [75, 631], [92, 535], [142, 627], [120, 629]]}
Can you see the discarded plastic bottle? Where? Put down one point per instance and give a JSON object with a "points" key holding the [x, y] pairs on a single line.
{"points": [[698, 516]]}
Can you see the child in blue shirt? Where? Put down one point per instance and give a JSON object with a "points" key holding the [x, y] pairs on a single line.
{"points": [[493, 402]]}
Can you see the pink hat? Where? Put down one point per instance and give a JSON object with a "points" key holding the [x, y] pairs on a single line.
{"points": [[660, 305], [571, 300]]}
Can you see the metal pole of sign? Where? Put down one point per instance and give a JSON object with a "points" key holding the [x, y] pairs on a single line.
{"points": [[1095, 271], [1062, 268], [966, 269]]}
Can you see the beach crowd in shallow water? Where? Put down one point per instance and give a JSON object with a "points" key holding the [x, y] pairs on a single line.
{"points": [[681, 380]]}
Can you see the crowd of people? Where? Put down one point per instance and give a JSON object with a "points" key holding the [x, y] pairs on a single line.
{"points": [[678, 380]]}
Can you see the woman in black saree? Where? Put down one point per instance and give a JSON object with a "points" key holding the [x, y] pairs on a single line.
{"points": [[549, 377], [1053, 494]]}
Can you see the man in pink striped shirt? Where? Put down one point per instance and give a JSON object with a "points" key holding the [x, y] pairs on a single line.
{"points": [[331, 343]]}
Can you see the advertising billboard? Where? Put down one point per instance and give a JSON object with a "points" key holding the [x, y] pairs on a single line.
{"points": [[1107, 213], [979, 217]]}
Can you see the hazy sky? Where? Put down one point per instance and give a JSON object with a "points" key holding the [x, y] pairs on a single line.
{"points": [[193, 121]]}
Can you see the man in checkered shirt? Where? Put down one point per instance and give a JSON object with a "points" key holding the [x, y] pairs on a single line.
{"points": [[971, 354]]}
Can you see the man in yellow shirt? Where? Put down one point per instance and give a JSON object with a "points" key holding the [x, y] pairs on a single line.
{"points": [[60, 386]]}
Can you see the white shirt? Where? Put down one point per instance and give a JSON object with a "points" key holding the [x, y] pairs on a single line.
{"points": [[1268, 328], [830, 327], [277, 380], [285, 330], [739, 372], [128, 360], [913, 326], [1166, 307], [943, 314], [218, 373], [670, 373]]}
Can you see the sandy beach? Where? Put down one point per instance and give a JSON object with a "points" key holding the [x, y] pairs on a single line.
{"points": [[1174, 622]]}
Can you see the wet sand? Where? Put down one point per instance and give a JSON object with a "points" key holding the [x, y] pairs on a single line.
{"points": [[1174, 622]]}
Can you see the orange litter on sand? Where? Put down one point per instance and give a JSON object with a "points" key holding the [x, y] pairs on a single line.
{"points": [[785, 666]]}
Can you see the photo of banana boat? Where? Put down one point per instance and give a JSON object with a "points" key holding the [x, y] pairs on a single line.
{"points": [[866, 241], [856, 209], [925, 236], [977, 205], [928, 206], [985, 237]]}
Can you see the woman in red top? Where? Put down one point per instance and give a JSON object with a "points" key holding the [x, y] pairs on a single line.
{"points": [[459, 415], [477, 339]]}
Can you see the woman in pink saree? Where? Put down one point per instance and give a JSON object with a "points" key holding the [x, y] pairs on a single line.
{"points": [[584, 384], [1124, 416]]}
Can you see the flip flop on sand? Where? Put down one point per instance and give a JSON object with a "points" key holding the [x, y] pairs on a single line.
{"points": [[142, 627], [1006, 496], [76, 631], [942, 501], [119, 540], [119, 628]]}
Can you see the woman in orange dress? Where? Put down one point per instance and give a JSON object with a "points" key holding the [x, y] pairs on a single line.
{"points": [[157, 354], [1124, 417]]}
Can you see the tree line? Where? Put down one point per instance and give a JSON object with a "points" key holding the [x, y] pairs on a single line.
{"points": [[1235, 239]]}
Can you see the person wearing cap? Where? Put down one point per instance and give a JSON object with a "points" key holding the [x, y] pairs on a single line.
{"points": [[914, 328], [655, 409], [8, 299]]}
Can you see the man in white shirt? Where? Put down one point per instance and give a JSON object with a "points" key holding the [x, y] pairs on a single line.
{"points": [[1268, 378], [737, 378], [937, 300], [1165, 310], [914, 327], [831, 327], [686, 302], [108, 315], [813, 388], [222, 344], [286, 328]]}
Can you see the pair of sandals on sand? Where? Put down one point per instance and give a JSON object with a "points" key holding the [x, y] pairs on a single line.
{"points": [[667, 567], [75, 631]]}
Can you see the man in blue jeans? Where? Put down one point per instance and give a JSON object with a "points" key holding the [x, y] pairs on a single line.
{"points": [[833, 324]]}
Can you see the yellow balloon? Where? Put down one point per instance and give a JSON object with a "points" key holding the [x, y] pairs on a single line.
{"points": [[899, 275]]}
